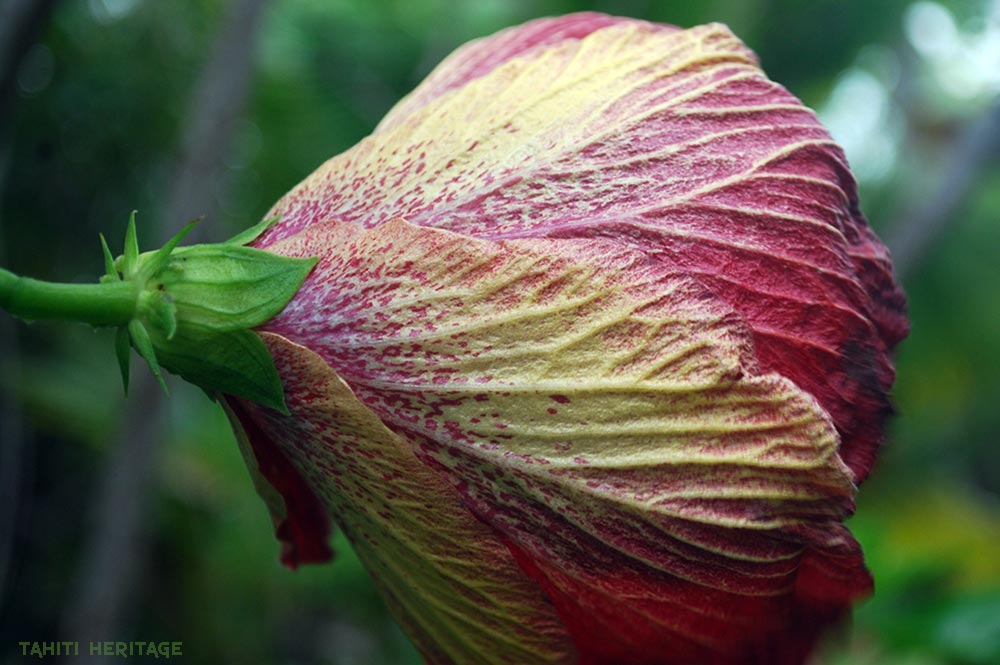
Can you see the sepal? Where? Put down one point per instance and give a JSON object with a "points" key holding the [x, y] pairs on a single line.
{"points": [[144, 347], [122, 353], [235, 362], [196, 308], [247, 236], [222, 286]]}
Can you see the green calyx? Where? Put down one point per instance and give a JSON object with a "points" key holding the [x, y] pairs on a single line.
{"points": [[189, 310]]}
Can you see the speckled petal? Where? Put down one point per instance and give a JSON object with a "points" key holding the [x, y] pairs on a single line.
{"points": [[634, 322], [481, 56], [448, 577], [671, 142], [603, 416]]}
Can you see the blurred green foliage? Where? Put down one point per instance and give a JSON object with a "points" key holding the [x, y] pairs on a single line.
{"points": [[99, 112]]}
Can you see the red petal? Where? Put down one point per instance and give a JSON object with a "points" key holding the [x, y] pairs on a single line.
{"points": [[604, 416], [673, 143], [302, 522], [446, 576]]}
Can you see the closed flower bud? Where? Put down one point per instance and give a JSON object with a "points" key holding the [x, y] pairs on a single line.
{"points": [[593, 359]]}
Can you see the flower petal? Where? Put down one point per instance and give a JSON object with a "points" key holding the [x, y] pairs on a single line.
{"points": [[673, 143], [481, 56], [446, 576], [604, 415]]}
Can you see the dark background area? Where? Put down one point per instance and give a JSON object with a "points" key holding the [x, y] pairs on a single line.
{"points": [[134, 518]]}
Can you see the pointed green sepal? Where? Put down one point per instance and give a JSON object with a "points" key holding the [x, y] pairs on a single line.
{"points": [[131, 254], [144, 346], [122, 351], [200, 303], [235, 363], [110, 274], [247, 236], [162, 255]]}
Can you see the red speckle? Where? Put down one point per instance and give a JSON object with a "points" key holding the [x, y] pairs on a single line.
{"points": [[553, 411], [562, 399]]}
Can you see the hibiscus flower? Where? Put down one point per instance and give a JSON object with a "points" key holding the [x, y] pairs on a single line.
{"points": [[594, 357], [586, 349]]}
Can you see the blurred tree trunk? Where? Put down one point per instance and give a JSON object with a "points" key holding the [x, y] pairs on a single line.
{"points": [[21, 24], [216, 105], [114, 557], [914, 232]]}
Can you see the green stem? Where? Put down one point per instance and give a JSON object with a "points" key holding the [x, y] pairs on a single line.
{"points": [[107, 304]]}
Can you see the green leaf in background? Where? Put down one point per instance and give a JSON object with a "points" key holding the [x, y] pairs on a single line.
{"points": [[937, 566]]}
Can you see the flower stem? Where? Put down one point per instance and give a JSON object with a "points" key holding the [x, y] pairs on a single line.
{"points": [[106, 304]]}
